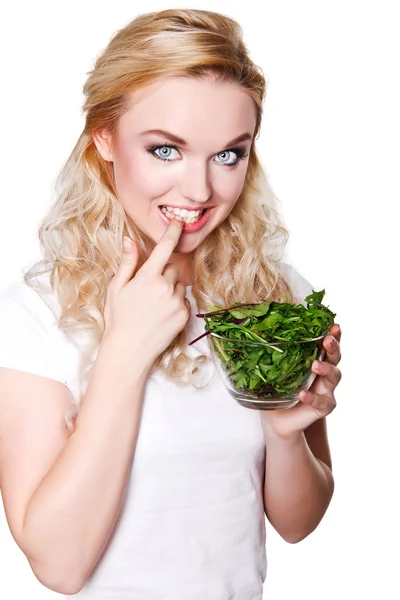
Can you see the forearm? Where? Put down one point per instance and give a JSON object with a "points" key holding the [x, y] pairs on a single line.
{"points": [[298, 487], [71, 515]]}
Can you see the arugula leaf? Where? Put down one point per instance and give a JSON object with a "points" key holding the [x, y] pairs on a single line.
{"points": [[261, 367]]}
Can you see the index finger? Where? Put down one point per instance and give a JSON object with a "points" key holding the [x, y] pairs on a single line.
{"points": [[163, 249]]}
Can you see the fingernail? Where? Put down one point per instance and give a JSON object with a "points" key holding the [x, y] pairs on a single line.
{"points": [[332, 340], [315, 365]]}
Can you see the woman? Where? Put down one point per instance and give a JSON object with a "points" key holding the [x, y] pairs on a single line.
{"points": [[160, 483]]}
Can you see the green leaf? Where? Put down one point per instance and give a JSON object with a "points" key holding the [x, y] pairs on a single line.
{"points": [[263, 368]]}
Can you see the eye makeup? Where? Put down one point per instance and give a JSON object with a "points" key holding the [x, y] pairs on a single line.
{"points": [[238, 150]]}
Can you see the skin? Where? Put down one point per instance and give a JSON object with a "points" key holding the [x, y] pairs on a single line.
{"points": [[208, 115], [298, 483]]}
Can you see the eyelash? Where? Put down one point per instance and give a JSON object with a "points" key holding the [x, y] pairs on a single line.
{"points": [[240, 152]]}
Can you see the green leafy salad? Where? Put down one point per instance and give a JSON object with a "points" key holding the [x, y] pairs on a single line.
{"points": [[261, 367]]}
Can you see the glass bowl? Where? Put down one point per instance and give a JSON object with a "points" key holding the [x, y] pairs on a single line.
{"points": [[243, 374]]}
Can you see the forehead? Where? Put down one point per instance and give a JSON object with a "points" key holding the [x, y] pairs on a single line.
{"points": [[198, 110]]}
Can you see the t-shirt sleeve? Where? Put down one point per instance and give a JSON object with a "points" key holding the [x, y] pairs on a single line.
{"points": [[28, 340]]}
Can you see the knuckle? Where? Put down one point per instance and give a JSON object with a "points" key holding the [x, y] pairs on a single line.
{"points": [[328, 404], [179, 305], [160, 284], [183, 310], [183, 307], [165, 287]]}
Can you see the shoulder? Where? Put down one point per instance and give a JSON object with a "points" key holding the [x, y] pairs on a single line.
{"points": [[22, 304], [30, 339], [301, 287]]}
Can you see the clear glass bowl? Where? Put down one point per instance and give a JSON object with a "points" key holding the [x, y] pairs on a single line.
{"points": [[264, 397]]}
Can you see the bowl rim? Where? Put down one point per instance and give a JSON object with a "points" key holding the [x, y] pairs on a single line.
{"points": [[282, 343]]}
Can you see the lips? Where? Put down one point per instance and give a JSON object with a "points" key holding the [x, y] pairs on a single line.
{"points": [[202, 210], [191, 227]]}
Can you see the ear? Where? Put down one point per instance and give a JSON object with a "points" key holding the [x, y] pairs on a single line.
{"points": [[103, 142]]}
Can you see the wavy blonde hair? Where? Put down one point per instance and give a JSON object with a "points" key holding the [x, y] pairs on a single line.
{"points": [[81, 234]]}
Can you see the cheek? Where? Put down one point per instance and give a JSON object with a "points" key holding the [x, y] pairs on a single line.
{"points": [[136, 177], [229, 186], [153, 182]]}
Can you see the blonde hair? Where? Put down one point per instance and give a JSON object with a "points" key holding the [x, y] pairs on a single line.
{"points": [[81, 235]]}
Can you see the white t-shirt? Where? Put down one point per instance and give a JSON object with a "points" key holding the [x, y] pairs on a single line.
{"points": [[192, 526]]}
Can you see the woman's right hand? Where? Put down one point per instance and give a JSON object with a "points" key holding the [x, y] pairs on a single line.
{"points": [[146, 311]]}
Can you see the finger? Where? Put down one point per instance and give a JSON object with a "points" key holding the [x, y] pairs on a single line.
{"points": [[127, 266], [327, 370], [320, 403], [332, 347], [188, 305], [336, 331], [162, 251], [171, 274], [180, 289]]}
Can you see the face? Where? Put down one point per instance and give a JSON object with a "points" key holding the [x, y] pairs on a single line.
{"points": [[178, 146]]}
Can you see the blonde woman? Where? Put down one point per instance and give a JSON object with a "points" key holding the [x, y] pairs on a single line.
{"points": [[127, 470]]}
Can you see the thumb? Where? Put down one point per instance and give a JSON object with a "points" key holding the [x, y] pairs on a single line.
{"points": [[128, 263]]}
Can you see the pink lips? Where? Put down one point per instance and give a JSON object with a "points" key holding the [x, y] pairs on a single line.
{"points": [[191, 227]]}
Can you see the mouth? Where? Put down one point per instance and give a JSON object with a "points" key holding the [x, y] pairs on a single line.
{"points": [[188, 227]]}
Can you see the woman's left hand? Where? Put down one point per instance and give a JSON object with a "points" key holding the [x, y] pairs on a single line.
{"points": [[317, 402]]}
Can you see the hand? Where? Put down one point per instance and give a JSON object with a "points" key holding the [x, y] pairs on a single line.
{"points": [[317, 402], [145, 311]]}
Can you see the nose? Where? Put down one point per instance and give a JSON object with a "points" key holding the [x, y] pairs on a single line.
{"points": [[195, 183]]}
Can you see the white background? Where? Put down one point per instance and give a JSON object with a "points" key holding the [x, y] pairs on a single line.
{"points": [[330, 145]]}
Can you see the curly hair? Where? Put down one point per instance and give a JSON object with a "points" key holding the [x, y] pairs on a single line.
{"points": [[81, 235]]}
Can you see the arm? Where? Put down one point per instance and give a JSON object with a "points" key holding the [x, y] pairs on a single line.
{"points": [[298, 481], [73, 511]]}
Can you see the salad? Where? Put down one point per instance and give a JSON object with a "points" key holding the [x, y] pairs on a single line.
{"points": [[268, 347]]}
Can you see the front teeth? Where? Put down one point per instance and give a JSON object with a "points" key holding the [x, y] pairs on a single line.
{"points": [[182, 214]]}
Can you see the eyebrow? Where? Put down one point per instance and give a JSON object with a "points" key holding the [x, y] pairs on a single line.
{"points": [[182, 142]]}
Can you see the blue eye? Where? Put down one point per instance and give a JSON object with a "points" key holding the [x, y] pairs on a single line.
{"points": [[165, 152], [225, 157], [229, 157]]}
